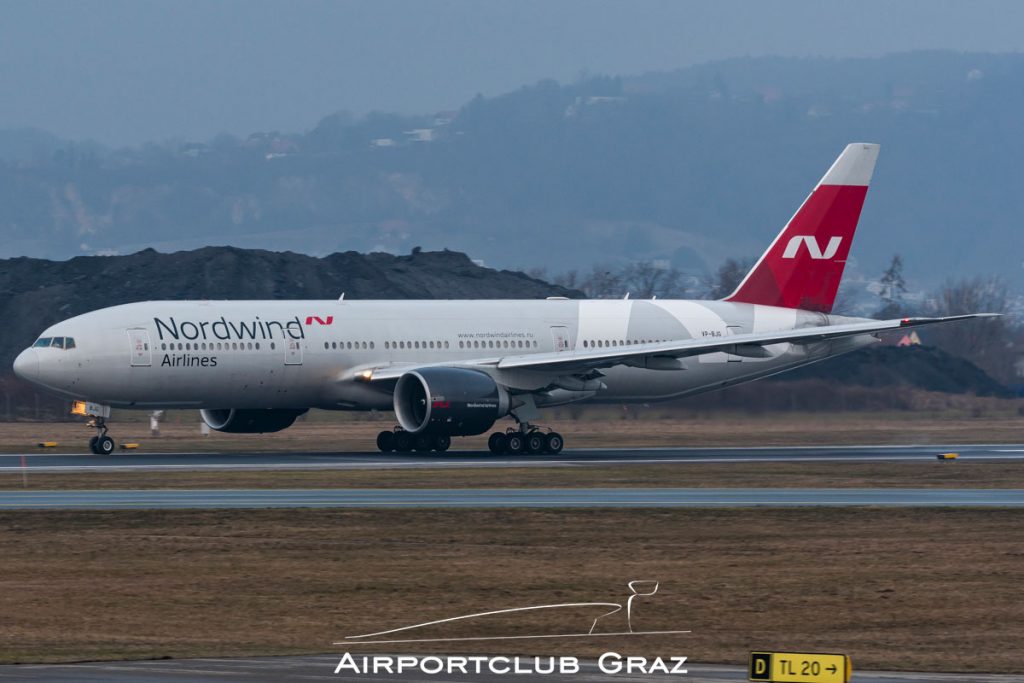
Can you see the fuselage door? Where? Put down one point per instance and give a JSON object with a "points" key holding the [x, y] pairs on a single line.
{"points": [[293, 352], [560, 338], [142, 353]]}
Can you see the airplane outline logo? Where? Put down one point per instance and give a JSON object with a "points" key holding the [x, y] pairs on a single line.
{"points": [[813, 249]]}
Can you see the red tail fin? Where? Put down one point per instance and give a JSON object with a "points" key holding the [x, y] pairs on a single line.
{"points": [[803, 266]]}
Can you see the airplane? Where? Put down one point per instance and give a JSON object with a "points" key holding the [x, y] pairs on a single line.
{"points": [[454, 368]]}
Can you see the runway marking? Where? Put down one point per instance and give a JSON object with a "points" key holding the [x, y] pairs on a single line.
{"points": [[478, 464], [182, 499]]}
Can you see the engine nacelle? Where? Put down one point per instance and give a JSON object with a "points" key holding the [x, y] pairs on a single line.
{"points": [[449, 401], [249, 421]]}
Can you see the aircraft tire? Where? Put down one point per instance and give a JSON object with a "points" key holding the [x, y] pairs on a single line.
{"points": [[403, 442], [535, 443], [515, 444], [553, 443], [423, 443], [497, 443], [92, 445], [386, 442], [442, 443], [104, 445]]}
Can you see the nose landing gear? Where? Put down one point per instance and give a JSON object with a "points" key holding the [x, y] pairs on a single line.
{"points": [[101, 444]]}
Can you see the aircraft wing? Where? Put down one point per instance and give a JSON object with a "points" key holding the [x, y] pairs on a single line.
{"points": [[751, 345]]}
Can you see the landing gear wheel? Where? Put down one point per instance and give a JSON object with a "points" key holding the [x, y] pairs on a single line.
{"points": [[92, 445], [403, 442], [423, 443], [535, 443], [104, 445], [553, 443], [497, 443], [442, 443], [386, 442], [515, 444]]}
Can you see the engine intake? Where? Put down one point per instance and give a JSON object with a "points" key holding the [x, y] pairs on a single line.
{"points": [[249, 421], [449, 401]]}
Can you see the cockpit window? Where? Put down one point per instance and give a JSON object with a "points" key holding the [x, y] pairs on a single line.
{"points": [[55, 342]]}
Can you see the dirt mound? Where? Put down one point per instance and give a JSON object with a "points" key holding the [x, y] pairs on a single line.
{"points": [[917, 367]]}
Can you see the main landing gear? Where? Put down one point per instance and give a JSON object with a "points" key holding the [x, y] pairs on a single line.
{"points": [[525, 439], [101, 444], [403, 442]]}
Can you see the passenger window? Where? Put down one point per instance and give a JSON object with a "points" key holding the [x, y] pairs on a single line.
{"points": [[371, 345], [257, 346], [446, 345]]}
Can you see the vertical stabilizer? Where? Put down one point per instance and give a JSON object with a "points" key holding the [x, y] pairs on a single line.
{"points": [[803, 266]]}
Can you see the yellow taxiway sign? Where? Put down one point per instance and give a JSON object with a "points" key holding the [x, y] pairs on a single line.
{"points": [[800, 667]]}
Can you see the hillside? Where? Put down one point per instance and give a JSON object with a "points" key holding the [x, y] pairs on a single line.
{"points": [[689, 167]]}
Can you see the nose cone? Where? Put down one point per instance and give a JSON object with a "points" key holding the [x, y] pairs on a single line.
{"points": [[26, 365]]}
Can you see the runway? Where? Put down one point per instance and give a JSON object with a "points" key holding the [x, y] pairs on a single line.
{"points": [[600, 457], [321, 667], [175, 499]]}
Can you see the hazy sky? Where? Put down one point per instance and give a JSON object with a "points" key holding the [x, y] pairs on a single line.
{"points": [[125, 72]]}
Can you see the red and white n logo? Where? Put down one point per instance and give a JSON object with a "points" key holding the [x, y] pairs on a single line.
{"points": [[793, 247]]}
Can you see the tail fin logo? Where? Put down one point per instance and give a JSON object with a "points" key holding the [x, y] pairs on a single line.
{"points": [[815, 251]]}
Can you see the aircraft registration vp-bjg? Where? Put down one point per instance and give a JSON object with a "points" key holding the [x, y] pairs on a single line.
{"points": [[453, 368]]}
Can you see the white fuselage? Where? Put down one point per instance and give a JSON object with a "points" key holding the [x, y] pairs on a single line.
{"points": [[305, 354]]}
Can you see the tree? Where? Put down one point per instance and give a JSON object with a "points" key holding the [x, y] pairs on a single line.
{"points": [[603, 282], [986, 343], [893, 289], [646, 280], [728, 277]]}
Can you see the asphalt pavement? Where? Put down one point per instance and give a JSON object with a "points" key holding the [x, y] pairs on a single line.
{"points": [[176, 499], [594, 457], [321, 668]]}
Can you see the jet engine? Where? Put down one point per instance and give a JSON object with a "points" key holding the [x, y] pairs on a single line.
{"points": [[449, 401], [249, 421]]}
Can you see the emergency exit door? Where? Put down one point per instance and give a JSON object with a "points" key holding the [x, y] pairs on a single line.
{"points": [[142, 354], [293, 352], [560, 338]]}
